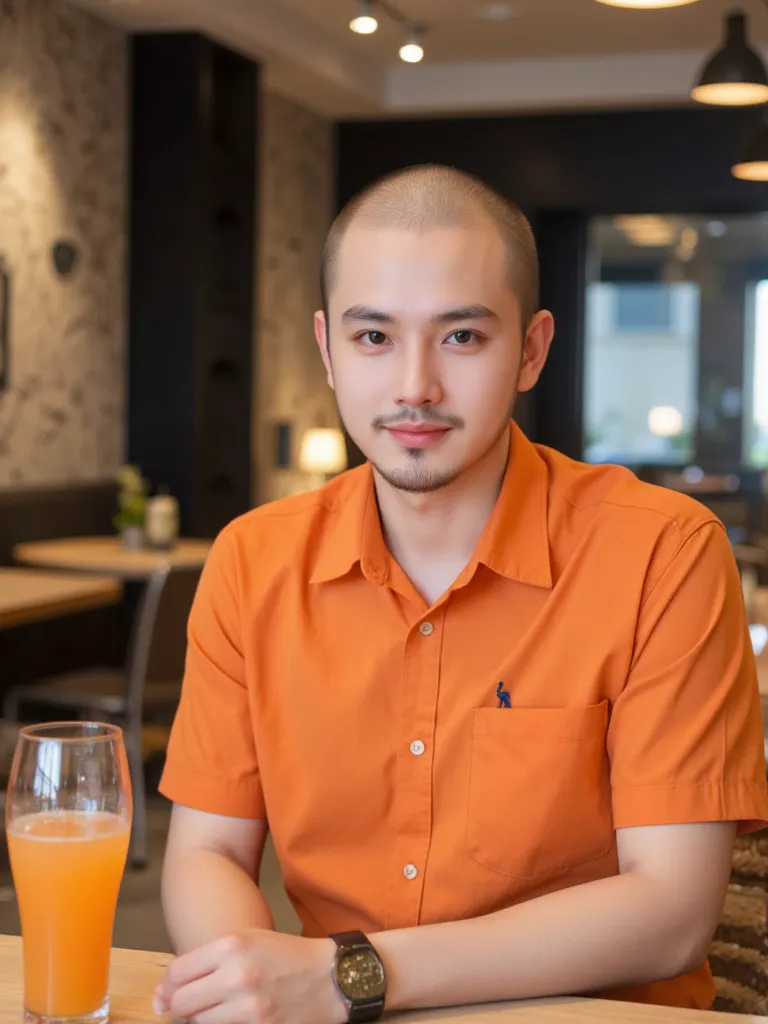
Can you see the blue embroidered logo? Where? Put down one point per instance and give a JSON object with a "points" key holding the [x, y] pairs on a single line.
{"points": [[505, 701]]}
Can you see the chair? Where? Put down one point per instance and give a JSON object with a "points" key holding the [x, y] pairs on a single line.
{"points": [[150, 683], [739, 952]]}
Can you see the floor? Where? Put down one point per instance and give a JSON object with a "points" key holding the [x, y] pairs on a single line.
{"points": [[139, 921]]}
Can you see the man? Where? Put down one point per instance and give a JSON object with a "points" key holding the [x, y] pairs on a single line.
{"points": [[498, 708]]}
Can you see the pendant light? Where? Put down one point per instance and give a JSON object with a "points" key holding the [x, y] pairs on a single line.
{"points": [[752, 164], [364, 22], [646, 5], [412, 51], [735, 75]]}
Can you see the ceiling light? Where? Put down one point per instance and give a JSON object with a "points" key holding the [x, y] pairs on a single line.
{"points": [[734, 76], [646, 230], [646, 5], [753, 162], [412, 51], [364, 22]]}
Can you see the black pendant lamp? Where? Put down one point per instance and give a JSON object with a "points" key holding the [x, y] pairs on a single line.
{"points": [[752, 164], [735, 75]]}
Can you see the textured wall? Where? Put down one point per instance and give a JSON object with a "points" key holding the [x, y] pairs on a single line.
{"points": [[63, 159], [296, 207]]}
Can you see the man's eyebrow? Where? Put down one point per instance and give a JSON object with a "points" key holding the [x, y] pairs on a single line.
{"points": [[367, 313], [356, 313], [475, 312]]}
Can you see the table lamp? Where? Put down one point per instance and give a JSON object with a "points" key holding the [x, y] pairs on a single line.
{"points": [[323, 453]]}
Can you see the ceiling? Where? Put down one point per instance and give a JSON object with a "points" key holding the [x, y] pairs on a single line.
{"points": [[536, 28], [547, 55]]}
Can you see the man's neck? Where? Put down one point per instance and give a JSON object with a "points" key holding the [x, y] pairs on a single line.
{"points": [[433, 536]]}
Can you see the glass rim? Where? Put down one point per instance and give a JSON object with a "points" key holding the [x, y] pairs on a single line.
{"points": [[43, 732]]}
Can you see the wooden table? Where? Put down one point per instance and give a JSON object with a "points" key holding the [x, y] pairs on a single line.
{"points": [[27, 595], [135, 974], [107, 555]]}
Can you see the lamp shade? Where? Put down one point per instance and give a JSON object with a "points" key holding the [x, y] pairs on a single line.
{"points": [[734, 76], [752, 164], [364, 21], [323, 451], [646, 5]]}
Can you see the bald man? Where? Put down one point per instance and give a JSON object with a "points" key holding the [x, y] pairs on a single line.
{"points": [[498, 709]]}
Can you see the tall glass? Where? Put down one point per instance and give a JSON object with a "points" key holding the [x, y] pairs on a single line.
{"points": [[68, 823]]}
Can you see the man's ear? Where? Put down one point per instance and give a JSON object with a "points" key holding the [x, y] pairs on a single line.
{"points": [[321, 334], [538, 339]]}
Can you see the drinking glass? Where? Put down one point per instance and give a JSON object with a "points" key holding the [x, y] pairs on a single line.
{"points": [[68, 823]]}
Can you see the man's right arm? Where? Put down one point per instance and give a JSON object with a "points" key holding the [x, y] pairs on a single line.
{"points": [[209, 889]]}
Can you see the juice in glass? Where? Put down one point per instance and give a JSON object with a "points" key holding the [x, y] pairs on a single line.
{"points": [[68, 815], [67, 867]]}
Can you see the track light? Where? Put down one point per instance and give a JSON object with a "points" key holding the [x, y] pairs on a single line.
{"points": [[412, 51], [646, 5], [364, 22], [734, 76]]}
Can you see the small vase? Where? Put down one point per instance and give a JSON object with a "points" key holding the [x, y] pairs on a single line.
{"points": [[132, 537]]}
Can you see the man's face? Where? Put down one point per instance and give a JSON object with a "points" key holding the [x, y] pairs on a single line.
{"points": [[424, 348]]}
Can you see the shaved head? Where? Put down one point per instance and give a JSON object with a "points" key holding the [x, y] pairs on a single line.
{"points": [[431, 196]]}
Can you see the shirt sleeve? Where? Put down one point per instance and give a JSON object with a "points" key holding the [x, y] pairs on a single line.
{"points": [[211, 763], [685, 739]]}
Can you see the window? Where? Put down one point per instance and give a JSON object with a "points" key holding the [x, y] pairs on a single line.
{"points": [[676, 342], [756, 377], [641, 382]]}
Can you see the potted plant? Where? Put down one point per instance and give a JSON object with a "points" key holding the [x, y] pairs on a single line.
{"points": [[132, 502]]}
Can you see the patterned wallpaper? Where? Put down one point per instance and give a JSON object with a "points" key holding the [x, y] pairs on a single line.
{"points": [[296, 207], [63, 161]]}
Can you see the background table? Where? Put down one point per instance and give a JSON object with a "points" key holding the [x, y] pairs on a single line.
{"points": [[135, 975], [107, 555], [151, 569], [27, 595]]}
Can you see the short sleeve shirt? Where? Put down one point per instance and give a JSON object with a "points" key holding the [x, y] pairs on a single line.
{"points": [[589, 670]]}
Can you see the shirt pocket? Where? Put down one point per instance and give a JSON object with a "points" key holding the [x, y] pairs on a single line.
{"points": [[539, 791]]}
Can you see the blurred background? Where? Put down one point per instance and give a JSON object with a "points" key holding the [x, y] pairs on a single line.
{"points": [[168, 171]]}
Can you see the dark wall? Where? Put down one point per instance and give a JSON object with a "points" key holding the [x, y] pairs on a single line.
{"points": [[663, 161], [71, 641], [562, 169]]}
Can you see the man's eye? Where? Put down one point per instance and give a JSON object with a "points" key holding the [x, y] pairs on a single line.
{"points": [[373, 337], [463, 337]]}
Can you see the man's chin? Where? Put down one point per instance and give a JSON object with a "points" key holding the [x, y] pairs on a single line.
{"points": [[416, 479]]}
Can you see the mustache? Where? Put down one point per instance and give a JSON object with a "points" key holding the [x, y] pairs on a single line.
{"points": [[425, 415]]}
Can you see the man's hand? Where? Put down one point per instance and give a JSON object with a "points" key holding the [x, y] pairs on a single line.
{"points": [[256, 976]]}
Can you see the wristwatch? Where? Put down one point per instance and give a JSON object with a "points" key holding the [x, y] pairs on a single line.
{"points": [[359, 976]]}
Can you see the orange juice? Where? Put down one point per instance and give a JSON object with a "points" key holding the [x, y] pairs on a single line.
{"points": [[67, 867]]}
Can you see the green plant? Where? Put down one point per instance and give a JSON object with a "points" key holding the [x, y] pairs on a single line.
{"points": [[131, 499]]}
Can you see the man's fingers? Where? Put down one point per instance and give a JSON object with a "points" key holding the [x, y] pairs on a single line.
{"points": [[243, 1011], [197, 964]]}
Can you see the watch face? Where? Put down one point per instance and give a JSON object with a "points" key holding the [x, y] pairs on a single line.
{"points": [[360, 975]]}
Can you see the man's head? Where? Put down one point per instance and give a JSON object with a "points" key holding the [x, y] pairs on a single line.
{"points": [[430, 292]]}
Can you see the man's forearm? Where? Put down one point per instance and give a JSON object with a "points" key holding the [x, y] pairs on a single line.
{"points": [[207, 896], [618, 931]]}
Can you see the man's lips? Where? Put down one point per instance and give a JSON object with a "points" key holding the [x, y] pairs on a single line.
{"points": [[418, 435]]}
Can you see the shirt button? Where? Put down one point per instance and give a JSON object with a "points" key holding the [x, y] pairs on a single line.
{"points": [[417, 748], [410, 871], [426, 629]]}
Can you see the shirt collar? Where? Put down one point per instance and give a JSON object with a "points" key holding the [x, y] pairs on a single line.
{"points": [[514, 543]]}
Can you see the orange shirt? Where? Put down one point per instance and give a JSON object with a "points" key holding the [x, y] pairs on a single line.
{"points": [[323, 694]]}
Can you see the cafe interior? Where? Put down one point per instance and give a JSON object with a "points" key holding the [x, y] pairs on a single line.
{"points": [[168, 171]]}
